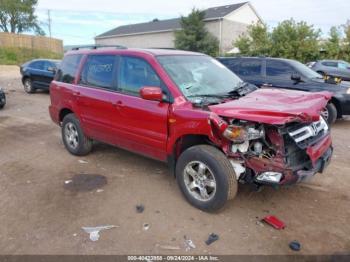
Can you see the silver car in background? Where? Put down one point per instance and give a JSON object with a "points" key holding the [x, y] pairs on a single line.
{"points": [[334, 68]]}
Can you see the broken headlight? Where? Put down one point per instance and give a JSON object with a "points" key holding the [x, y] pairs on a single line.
{"points": [[240, 134]]}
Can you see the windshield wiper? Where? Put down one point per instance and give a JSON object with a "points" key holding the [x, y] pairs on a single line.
{"points": [[209, 95], [241, 89]]}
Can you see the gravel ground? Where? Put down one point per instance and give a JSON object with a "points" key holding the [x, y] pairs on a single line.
{"points": [[41, 214]]}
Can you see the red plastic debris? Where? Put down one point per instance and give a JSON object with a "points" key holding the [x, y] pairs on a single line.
{"points": [[274, 221]]}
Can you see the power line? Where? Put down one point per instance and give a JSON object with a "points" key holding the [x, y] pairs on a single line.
{"points": [[49, 21]]}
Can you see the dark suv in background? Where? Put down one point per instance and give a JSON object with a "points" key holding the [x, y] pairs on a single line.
{"points": [[290, 74], [38, 74]]}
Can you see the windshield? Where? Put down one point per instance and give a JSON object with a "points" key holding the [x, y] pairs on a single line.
{"points": [[199, 75], [304, 70]]}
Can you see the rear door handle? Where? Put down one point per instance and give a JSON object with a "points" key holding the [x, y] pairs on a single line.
{"points": [[267, 85]]}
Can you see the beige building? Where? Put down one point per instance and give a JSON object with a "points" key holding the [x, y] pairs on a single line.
{"points": [[226, 23]]}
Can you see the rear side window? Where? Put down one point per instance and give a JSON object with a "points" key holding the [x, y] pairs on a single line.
{"points": [[135, 74], [278, 69], [99, 71], [250, 68], [68, 69], [330, 63]]}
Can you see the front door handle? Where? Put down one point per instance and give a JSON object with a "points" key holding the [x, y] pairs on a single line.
{"points": [[118, 104]]}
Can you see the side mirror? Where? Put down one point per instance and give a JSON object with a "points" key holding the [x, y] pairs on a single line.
{"points": [[151, 93], [51, 69], [295, 77]]}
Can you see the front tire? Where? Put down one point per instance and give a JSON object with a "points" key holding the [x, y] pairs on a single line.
{"points": [[28, 86], [206, 177], [73, 137], [330, 113]]}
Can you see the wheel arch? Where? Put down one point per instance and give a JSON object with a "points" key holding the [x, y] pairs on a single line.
{"points": [[63, 112], [24, 78], [184, 142]]}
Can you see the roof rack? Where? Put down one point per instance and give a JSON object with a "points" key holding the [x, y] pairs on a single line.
{"points": [[98, 46]]}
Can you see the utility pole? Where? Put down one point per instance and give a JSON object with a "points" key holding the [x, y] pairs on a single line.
{"points": [[49, 21]]}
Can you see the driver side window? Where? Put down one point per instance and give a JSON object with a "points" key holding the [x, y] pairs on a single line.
{"points": [[136, 73], [279, 69]]}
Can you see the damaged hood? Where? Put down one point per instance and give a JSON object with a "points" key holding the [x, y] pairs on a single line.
{"points": [[275, 106]]}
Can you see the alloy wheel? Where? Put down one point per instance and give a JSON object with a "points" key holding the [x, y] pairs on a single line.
{"points": [[199, 181], [71, 135]]}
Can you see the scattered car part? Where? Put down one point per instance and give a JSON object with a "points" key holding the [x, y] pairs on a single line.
{"points": [[140, 208], [189, 244], [212, 238], [94, 232], [146, 226], [295, 245], [274, 222]]}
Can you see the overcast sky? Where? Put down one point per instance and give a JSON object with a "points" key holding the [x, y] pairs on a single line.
{"points": [[78, 21]]}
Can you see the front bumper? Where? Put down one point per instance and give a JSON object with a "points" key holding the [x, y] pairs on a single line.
{"points": [[320, 155], [319, 166]]}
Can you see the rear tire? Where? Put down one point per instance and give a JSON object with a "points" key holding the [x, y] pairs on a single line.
{"points": [[73, 136], [206, 177], [28, 86], [330, 113]]}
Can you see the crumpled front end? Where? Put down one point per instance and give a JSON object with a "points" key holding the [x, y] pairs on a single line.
{"points": [[277, 154]]}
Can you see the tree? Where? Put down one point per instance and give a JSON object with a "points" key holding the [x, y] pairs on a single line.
{"points": [[193, 35], [346, 41], [17, 16], [332, 46], [295, 41], [256, 42]]}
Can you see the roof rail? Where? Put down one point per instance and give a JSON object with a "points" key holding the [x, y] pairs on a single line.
{"points": [[98, 46], [164, 48]]}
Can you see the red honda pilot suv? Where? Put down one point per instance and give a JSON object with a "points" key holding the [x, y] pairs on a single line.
{"points": [[189, 110]]}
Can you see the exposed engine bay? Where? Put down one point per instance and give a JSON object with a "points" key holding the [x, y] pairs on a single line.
{"points": [[269, 154]]}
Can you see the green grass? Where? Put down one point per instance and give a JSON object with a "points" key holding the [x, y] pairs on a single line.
{"points": [[17, 56]]}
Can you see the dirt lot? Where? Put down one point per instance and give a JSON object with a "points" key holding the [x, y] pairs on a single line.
{"points": [[40, 214]]}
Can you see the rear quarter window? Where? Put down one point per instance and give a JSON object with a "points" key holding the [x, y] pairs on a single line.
{"points": [[68, 69]]}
